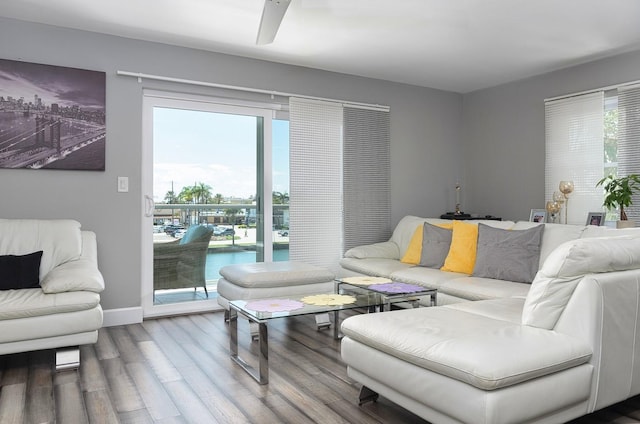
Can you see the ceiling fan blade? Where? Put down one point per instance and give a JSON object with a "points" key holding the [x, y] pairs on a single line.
{"points": [[272, 15]]}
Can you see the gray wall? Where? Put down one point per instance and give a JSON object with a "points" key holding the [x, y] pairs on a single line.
{"points": [[504, 134], [426, 136]]}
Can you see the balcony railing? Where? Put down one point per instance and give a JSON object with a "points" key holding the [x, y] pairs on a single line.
{"points": [[234, 225], [223, 213]]}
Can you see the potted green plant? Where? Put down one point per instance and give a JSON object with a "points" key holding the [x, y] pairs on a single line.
{"points": [[619, 192]]}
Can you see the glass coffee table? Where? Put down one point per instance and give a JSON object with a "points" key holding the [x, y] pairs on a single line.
{"points": [[261, 311], [390, 292]]}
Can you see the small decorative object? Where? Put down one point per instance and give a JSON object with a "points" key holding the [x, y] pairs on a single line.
{"points": [[538, 215], [618, 195], [274, 305], [595, 218], [566, 188], [559, 199], [396, 287], [458, 211], [328, 299], [553, 208]]}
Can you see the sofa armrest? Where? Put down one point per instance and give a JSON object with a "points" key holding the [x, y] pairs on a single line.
{"points": [[79, 275], [567, 265], [385, 249]]}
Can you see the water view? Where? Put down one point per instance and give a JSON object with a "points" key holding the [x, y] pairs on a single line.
{"points": [[217, 260]]}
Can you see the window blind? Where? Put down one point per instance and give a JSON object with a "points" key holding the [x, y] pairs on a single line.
{"points": [[367, 168], [315, 160], [629, 140], [574, 150]]}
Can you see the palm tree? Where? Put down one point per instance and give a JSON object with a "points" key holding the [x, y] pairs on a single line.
{"points": [[170, 197], [280, 198], [186, 195], [217, 198], [201, 193]]}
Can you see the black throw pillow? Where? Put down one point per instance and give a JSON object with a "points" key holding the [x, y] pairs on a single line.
{"points": [[20, 271]]}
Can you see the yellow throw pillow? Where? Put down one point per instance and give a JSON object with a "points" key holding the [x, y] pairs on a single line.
{"points": [[414, 250], [464, 245]]}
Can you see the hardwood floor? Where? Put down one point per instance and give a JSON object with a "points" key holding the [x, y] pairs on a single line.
{"points": [[178, 370]]}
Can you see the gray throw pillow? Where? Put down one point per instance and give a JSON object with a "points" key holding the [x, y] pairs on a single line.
{"points": [[435, 246], [508, 254]]}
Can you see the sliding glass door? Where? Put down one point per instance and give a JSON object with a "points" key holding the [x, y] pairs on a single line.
{"points": [[208, 198]]}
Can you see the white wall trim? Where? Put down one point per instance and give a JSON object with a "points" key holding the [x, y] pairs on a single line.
{"points": [[122, 316]]}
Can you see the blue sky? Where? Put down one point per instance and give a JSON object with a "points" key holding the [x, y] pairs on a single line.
{"points": [[214, 148]]}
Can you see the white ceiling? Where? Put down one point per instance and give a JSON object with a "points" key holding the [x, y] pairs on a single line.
{"points": [[455, 45]]}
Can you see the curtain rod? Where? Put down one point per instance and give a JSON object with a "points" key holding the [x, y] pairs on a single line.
{"points": [[272, 93], [595, 90]]}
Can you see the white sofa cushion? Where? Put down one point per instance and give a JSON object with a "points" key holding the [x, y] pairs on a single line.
{"points": [[473, 348], [595, 231], [59, 239], [477, 288], [504, 309], [27, 303], [81, 274], [553, 236], [385, 250], [229, 291], [378, 267], [555, 398], [50, 331], [426, 277], [275, 274], [567, 265]]}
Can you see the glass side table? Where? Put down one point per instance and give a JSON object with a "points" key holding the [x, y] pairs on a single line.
{"points": [[390, 292]]}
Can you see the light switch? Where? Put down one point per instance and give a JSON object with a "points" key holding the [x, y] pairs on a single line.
{"points": [[123, 184]]}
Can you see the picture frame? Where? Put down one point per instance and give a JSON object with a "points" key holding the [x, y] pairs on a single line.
{"points": [[538, 215], [53, 117], [595, 218]]}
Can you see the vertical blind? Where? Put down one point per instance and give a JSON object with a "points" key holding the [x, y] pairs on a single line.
{"points": [[315, 205], [367, 182], [629, 140], [574, 145]]}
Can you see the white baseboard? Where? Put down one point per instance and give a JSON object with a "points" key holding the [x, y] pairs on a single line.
{"points": [[122, 316]]}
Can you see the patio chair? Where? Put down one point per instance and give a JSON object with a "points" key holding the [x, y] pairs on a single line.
{"points": [[181, 263]]}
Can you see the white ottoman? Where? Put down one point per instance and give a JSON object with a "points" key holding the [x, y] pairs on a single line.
{"points": [[271, 279]]}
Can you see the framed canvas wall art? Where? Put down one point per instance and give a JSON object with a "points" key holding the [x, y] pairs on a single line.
{"points": [[51, 117]]}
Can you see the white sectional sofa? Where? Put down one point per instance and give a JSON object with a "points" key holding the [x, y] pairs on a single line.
{"points": [[48, 300], [506, 352], [383, 259]]}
